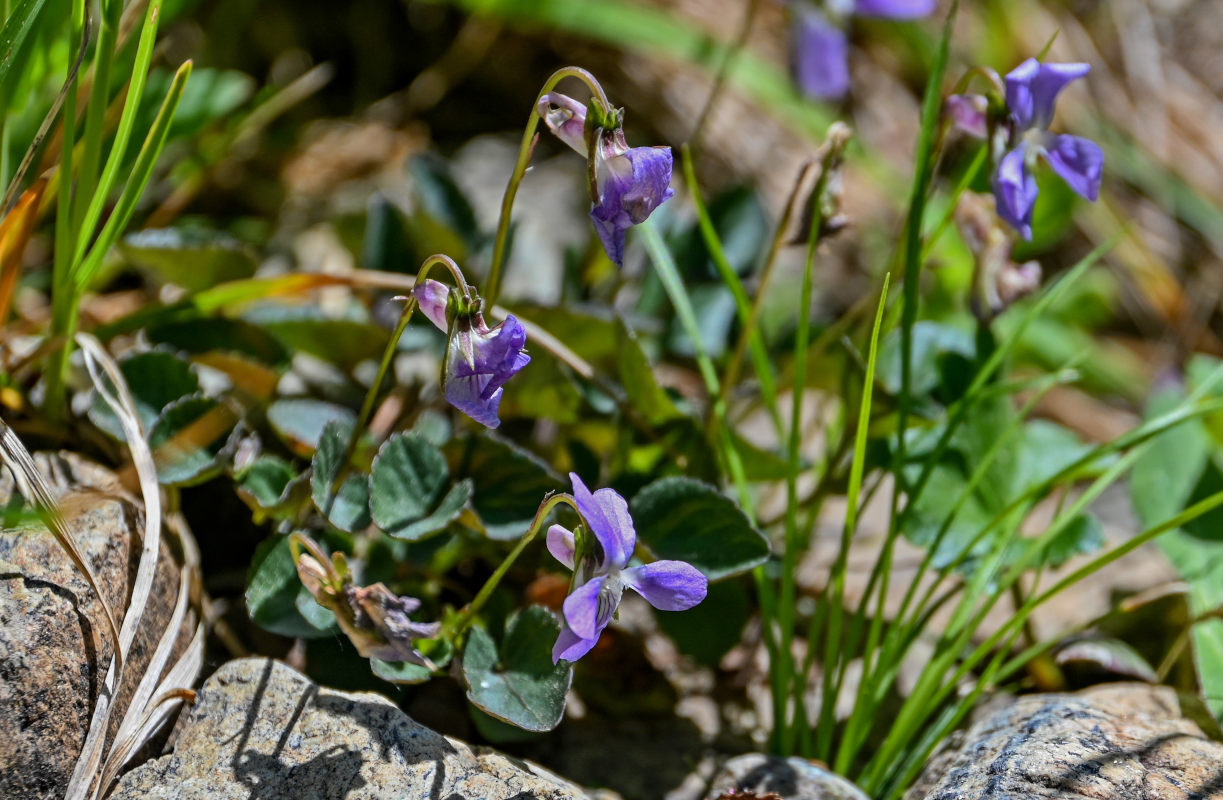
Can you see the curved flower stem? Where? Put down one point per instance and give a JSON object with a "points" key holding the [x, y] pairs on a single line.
{"points": [[388, 355], [493, 285], [455, 629]]}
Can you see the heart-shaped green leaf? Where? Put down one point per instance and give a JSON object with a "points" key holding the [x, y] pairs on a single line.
{"points": [[156, 379], [688, 520], [300, 421], [408, 494], [509, 482], [276, 598], [272, 485], [517, 682]]}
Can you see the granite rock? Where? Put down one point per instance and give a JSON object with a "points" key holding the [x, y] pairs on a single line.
{"points": [[1120, 740], [54, 647], [785, 778], [260, 729]]}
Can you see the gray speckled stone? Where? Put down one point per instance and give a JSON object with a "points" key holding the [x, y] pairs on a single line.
{"points": [[788, 778], [1125, 741], [53, 642], [259, 729]]}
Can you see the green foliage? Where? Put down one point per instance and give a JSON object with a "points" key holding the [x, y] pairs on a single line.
{"points": [[155, 379], [276, 599], [192, 439], [1180, 468], [508, 481], [515, 680], [409, 488], [300, 421], [688, 520], [188, 257], [271, 485], [346, 507]]}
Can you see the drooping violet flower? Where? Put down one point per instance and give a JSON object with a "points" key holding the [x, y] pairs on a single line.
{"points": [[479, 359], [376, 620], [1031, 92], [821, 48], [628, 182], [601, 572]]}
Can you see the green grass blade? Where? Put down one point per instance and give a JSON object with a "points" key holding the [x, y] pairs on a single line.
{"points": [[743, 306], [118, 150], [836, 598], [923, 174], [141, 172], [16, 28]]}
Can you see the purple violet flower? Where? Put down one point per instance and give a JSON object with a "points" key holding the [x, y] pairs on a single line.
{"points": [[629, 182], [600, 573], [821, 57], [821, 48], [479, 359], [1031, 92]]}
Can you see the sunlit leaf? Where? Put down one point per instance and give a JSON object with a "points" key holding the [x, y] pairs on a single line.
{"points": [[516, 681], [688, 520]]}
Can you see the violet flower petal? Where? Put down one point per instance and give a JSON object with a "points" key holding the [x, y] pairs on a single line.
{"points": [[606, 512], [1032, 89], [561, 544], [821, 58], [1079, 161], [967, 112], [631, 185], [1015, 191], [668, 585], [895, 9], [591, 606], [431, 296], [475, 387], [566, 118], [570, 646]]}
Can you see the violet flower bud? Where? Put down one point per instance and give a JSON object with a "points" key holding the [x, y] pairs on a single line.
{"points": [[821, 57], [566, 118], [601, 573], [821, 48], [895, 9]]}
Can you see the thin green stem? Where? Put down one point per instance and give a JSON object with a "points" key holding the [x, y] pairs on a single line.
{"points": [[730, 376], [836, 598], [95, 113], [492, 286], [456, 628], [388, 357], [760, 357]]}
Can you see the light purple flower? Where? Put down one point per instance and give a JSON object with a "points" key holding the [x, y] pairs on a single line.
{"points": [[600, 573], [895, 9], [629, 182], [479, 359], [821, 48], [968, 112], [821, 57], [1031, 94]]}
